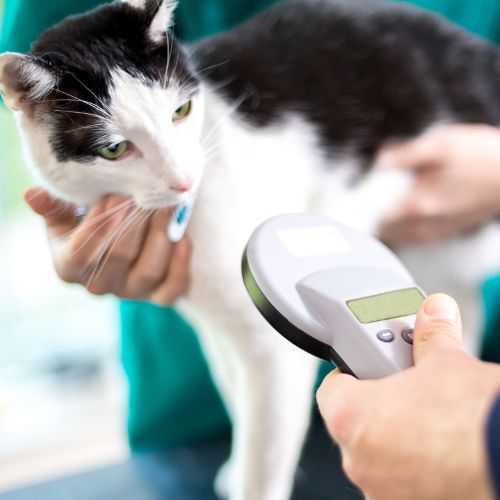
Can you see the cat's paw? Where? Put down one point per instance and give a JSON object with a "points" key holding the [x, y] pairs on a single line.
{"points": [[223, 484]]}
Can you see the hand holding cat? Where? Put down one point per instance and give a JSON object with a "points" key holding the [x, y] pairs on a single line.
{"points": [[420, 433], [112, 252], [457, 183]]}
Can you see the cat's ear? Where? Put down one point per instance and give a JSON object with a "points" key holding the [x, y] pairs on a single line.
{"points": [[160, 13], [162, 20], [24, 80]]}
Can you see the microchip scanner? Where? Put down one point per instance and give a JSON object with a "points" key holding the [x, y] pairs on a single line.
{"points": [[336, 293]]}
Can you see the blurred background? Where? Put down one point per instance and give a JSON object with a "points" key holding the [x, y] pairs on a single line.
{"points": [[58, 348]]}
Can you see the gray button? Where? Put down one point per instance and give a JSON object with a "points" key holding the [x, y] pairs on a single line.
{"points": [[385, 335], [407, 335]]}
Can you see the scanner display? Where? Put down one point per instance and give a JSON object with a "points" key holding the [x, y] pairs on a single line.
{"points": [[389, 305]]}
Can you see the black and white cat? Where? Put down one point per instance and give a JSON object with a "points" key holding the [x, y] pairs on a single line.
{"points": [[285, 113]]}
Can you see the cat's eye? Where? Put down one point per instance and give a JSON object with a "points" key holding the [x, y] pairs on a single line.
{"points": [[114, 151], [182, 111]]}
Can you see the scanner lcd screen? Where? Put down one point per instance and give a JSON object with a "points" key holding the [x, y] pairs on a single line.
{"points": [[388, 305]]}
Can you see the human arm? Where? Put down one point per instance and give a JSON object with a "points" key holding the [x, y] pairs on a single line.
{"points": [[113, 251], [419, 434], [456, 187]]}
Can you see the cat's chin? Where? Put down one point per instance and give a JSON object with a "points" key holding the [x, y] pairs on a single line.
{"points": [[163, 202]]}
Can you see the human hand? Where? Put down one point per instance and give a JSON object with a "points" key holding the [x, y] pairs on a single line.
{"points": [[115, 249], [419, 434], [457, 183]]}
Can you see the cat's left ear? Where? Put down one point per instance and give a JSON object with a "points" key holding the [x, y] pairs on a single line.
{"points": [[161, 14], [24, 80]]}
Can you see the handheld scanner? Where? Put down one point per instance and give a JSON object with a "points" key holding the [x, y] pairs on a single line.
{"points": [[336, 293]]}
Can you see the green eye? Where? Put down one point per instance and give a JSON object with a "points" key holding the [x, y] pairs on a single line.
{"points": [[114, 151], [182, 112]]}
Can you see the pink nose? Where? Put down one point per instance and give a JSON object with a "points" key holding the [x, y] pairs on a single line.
{"points": [[182, 187]]}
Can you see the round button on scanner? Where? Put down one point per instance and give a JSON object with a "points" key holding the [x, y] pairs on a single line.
{"points": [[385, 335], [407, 335]]}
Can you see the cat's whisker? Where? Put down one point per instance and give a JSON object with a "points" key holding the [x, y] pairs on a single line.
{"points": [[170, 49], [166, 79], [110, 211], [210, 155], [211, 134], [137, 216], [87, 103], [40, 193], [108, 214], [209, 144], [93, 93], [78, 113], [222, 84], [59, 210], [208, 68], [89, 238], [97, 126], [94, 265], [176, 62]]}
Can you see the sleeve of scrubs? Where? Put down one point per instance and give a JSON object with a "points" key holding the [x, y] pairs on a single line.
{"points": [[493, 445]]}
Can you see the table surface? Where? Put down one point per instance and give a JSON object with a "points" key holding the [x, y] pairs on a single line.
{"points": [[187, 473]]}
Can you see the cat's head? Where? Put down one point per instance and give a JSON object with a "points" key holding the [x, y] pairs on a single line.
{"points": [[107, 102]]}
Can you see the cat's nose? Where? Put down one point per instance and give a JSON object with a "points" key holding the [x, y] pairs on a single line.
{"points": [[182, 187]]}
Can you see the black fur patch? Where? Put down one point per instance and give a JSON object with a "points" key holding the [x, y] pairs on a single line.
{"points": [[84, 50], [364, 72]]}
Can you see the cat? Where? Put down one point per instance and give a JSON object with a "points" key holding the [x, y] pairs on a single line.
{"points": [[284, 113]]}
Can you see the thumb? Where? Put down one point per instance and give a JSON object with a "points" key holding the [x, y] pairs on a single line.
{"points": [[438, 327], [410, 155], [59, 216]]}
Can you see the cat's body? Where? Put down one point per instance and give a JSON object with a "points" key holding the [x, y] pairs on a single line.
{"points": [[291, 109]]}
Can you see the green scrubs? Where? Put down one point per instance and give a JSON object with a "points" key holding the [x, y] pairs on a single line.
{"points": [[171, 395]]}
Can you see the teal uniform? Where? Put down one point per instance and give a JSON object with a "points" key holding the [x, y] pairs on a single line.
{"points": [[172, 399]]}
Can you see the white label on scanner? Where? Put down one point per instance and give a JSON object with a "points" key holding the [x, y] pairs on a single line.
{"points": [[313, 241]]}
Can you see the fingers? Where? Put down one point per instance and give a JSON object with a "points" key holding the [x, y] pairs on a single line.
{"points": [[437, 328], [115, 250], [151, 266], [79, 253], [178, 275], [339, 403], [401, 229], [411, 155], [59, 216]]}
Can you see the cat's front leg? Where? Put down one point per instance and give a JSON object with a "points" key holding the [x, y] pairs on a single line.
{"points": [[266, 384], [271, 409]]}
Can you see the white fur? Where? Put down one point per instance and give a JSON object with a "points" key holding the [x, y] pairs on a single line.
{"points": [[43, 80], [250, 174], [254, 174], [138, 4], [162, 21], [15, 66], [163, 18]]}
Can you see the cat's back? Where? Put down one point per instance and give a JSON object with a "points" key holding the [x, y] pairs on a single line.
{"points": [[355, 69]]}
